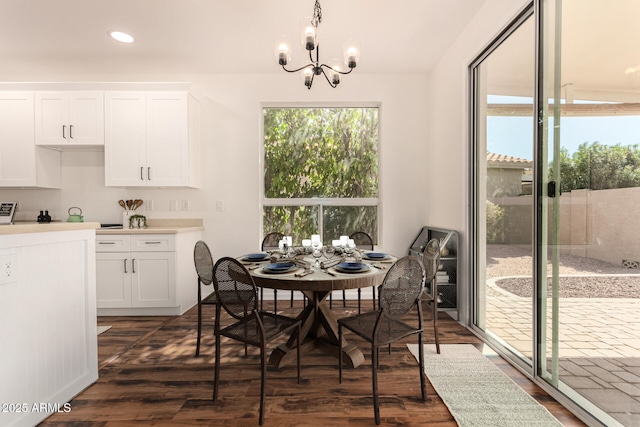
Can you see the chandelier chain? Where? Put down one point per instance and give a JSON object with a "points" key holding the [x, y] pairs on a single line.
{"points": [[317, 14]]}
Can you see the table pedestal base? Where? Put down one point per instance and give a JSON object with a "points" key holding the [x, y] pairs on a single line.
{"points": [[319, 331]]}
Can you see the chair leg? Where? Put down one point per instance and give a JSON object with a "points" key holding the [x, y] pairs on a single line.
{"points": [[299, 328], [359, 300], [275, 300], [291, 306], [435, 323], [374, 382], [261, 299], [263, 369], [216, 370], [340, 353], [344, 298], [330, 300], [423, 386], [199, 328], [373, 288]]}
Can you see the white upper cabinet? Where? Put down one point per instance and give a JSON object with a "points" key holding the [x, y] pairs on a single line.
{"points": [[22, 164], [151, 139], [65, 119]]}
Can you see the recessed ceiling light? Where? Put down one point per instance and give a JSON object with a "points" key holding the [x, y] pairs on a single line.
{"points": [[121, 37]]}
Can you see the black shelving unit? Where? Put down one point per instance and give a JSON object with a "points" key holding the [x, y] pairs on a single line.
{"points": [[448, 268]]}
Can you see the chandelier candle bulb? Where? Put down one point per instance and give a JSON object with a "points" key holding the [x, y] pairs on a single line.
{"points": [[307, 74], [310, 38], [282, 54]]}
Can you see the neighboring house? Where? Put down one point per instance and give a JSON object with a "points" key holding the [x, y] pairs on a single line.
{"points": [[508, 176]]}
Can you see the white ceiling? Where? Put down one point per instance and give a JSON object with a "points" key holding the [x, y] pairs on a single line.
{"points": [[600, 46], [221, 36]]}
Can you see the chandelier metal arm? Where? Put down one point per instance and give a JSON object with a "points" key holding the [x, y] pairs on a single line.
{"points": [[337, 71], [326, 77], [298, 69]]}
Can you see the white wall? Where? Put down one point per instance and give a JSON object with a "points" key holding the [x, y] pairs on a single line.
{"points": [[231, 116], [448, 140]]}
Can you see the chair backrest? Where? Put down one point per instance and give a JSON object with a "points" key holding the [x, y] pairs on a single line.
{"points": [[235, 289], [402, 286], [270, 241], [203, 262], [431, 260], [362, 240]]}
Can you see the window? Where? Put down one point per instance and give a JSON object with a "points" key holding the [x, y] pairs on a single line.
{"points": [[320, 171]]}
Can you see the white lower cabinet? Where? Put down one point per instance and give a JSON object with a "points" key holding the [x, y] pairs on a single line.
{"points": [[139, 275]]}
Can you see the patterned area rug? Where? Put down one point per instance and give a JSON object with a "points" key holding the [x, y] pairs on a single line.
{"points": [[477, 392], [102, 329]]}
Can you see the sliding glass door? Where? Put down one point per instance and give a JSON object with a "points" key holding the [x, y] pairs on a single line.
{"points": [[503, 84], [556, 191], [588, 293]]}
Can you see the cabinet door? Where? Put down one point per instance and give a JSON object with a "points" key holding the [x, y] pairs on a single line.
{"points": [[154, 279], [113, 279], [17, 148], [69, 118], [125, 146], [86, 118], [51, 118], [167, 139]]}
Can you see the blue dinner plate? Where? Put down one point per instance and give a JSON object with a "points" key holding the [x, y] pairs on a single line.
{"points": [[255, 257], [375, 255], [352, 267], [279, 267]]}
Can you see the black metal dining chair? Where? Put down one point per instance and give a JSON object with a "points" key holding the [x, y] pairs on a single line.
{"points": [[204, 267], [270, 242], [365, 242], [398, 294], [238, 296], [431, 261]]}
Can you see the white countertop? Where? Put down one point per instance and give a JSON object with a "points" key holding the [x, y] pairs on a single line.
{"points": [[148, 230], [155, 226], [34, 227], [158, 226]]}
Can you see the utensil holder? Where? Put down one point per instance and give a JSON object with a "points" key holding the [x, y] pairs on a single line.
{"points": [[125, 219]]}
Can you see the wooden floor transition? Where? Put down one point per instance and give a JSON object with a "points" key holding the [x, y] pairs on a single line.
{"points": [[149, 376]]}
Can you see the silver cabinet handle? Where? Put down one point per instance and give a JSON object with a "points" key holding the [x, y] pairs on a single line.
{"points": [[141, 177], [71, 131], [64, 128], [149, 173], [106, 243], [133, 265], [152, 243], [125, 266]]}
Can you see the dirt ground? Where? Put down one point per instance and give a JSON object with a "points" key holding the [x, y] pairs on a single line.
{"points": [[512, 260]]}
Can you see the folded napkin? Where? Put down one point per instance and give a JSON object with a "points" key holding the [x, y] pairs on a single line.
{"points": [[304, 273], [298, 251], [297, 260], [331, 262], [302, 263]]}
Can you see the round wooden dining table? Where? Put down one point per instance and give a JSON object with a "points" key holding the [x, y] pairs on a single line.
{"points": [[319, 323]]}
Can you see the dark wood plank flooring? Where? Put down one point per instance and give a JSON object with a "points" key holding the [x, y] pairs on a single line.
{"points": [[149, 376]]}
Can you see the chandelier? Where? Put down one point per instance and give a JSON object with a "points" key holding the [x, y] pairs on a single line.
{"points": [[332, 72]]}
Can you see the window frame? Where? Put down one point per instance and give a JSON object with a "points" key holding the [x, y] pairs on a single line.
{"points": [[319, 202]]}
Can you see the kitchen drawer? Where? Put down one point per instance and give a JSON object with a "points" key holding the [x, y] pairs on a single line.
{"points": [[113, 243], [153, 243]]}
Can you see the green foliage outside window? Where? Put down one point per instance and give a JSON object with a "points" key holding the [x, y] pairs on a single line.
{"points": [[596, 166], [329, 153]]}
